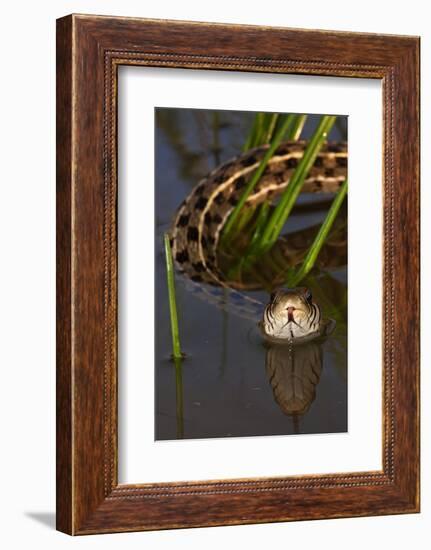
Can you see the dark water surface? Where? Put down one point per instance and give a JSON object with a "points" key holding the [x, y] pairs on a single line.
{"points": [[230, 383]]}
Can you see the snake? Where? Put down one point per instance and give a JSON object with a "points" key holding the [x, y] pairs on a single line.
{"points": [[199, 220], [292, 314]]}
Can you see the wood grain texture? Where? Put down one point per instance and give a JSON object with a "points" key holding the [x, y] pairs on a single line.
{"points": [[90, 49], [63, 289]]}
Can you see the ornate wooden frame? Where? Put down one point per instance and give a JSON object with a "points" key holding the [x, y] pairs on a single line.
{"points": [[89, 51]]}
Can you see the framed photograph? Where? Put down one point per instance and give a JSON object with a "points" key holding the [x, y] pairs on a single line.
{"points": [[237, 274]]}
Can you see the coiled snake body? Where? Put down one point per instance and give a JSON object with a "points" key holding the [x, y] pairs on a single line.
{"points": [[200, 218]]}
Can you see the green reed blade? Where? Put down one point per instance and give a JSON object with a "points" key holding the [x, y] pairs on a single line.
{"points": [[272, 123], [296, 130], [262, 216], [265, 125], [296, 276], [267, 130], [255, 132], [176, 348], [288, 121], [293, 134], [244, 218], [250, 136], [257, 129], [289, 196]]}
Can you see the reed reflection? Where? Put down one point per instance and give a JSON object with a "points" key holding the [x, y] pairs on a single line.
{"points": [[179, 397]]}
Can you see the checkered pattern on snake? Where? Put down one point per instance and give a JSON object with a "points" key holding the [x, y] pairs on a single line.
{"points": [[200, 218]]}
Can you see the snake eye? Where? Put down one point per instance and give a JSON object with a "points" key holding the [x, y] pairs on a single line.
{"points": [[274, 294], [308, 295]]}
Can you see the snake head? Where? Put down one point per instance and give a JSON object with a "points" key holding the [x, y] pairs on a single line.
{"points": [[290, 300], [291, 313]]}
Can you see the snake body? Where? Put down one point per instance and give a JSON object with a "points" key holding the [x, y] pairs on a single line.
{"points": [[197, 225], [200, 218]]}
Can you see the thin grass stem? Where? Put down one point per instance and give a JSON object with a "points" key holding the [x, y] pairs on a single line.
{"points": [[176, 348], [257, 130], [260, 222], [282, 210], [296, 276], [271, 127], [297, 128], [288, 121], [249, 139]]}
